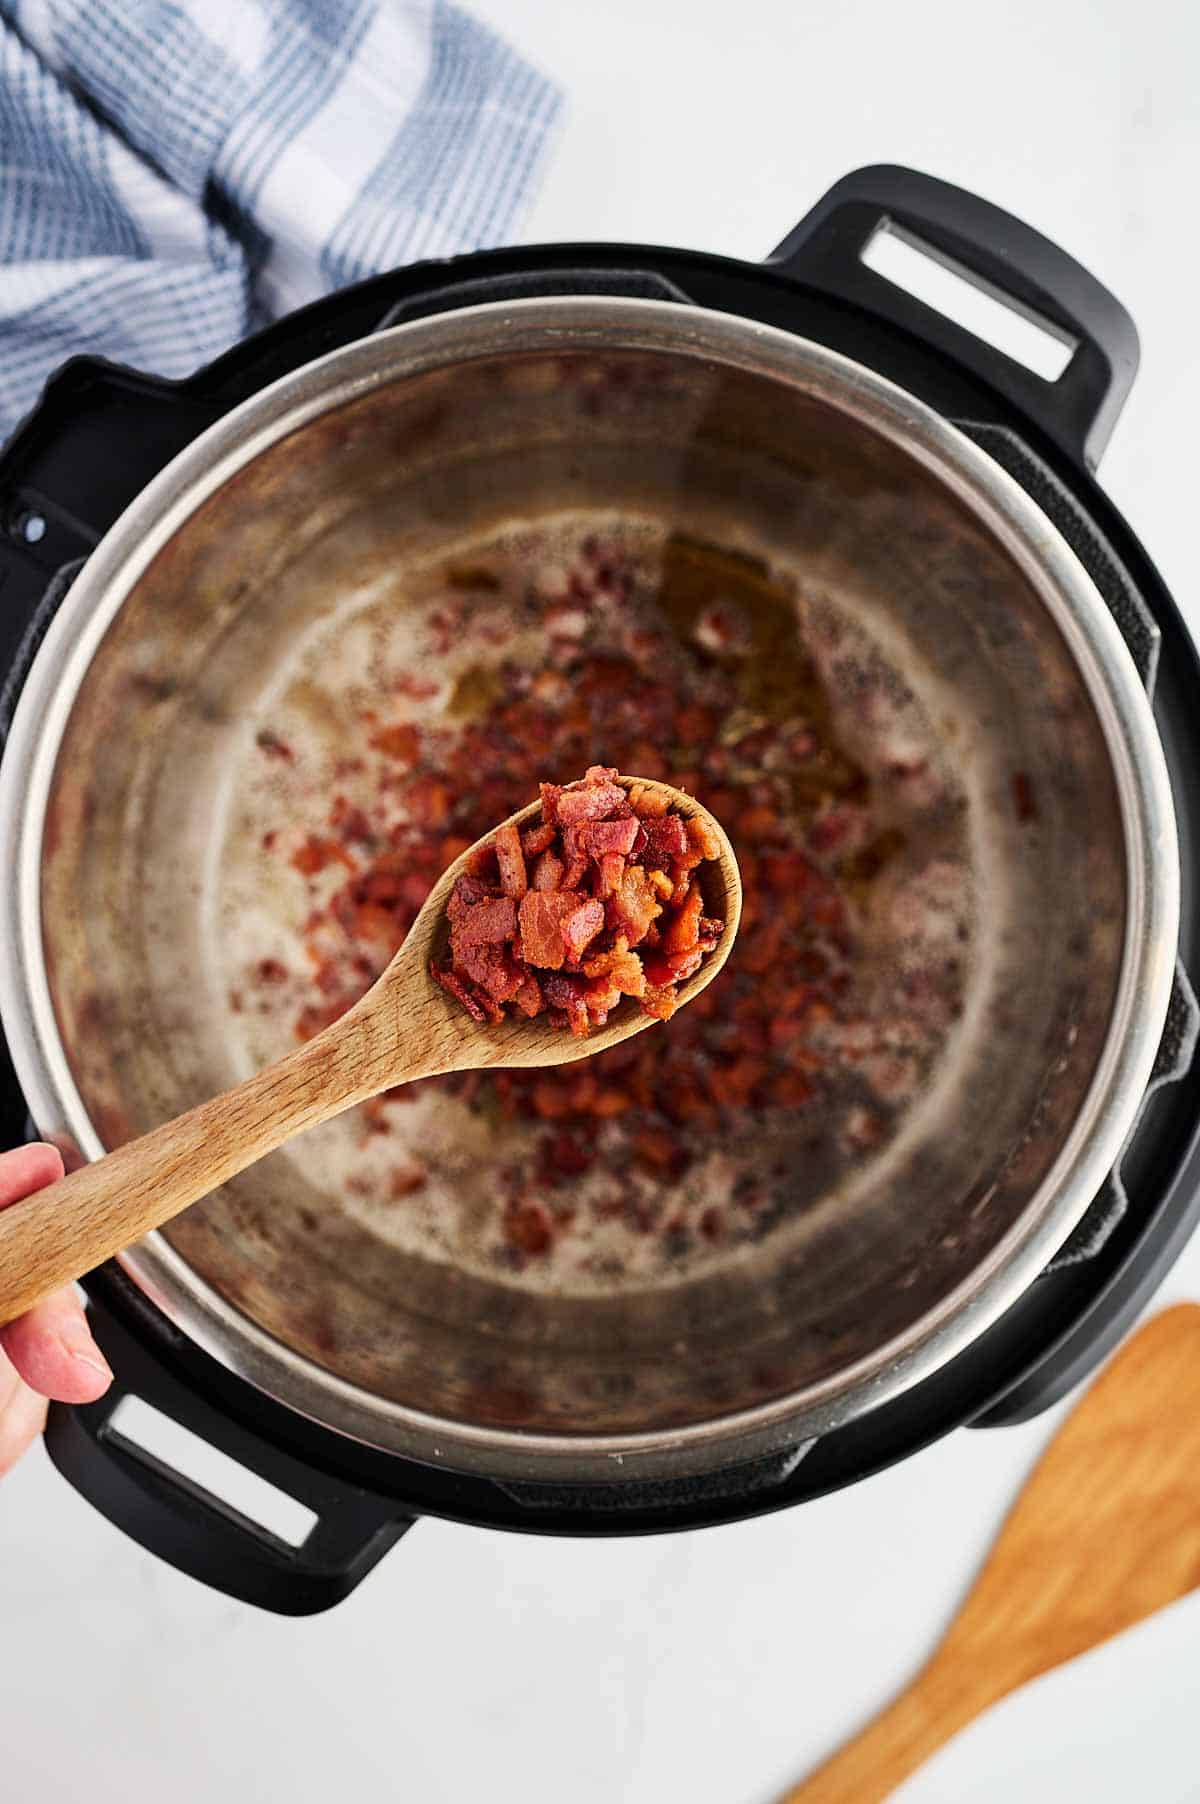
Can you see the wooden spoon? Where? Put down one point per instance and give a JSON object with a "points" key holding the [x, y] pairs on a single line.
{"points": [[405, 1027], [1105, 1532]]}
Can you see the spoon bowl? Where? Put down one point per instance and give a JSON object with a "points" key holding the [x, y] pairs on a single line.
{"points": [[405, 1027], [516, 1041]]}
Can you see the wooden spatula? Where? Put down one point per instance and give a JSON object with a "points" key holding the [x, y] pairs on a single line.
{"points": [[1106, 1531], [405, 1027]]}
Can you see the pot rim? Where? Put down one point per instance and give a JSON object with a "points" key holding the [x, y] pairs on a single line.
{"points": [[573, 324]]}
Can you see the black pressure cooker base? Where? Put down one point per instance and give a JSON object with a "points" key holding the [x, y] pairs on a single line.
{"points": [[102, 432]]}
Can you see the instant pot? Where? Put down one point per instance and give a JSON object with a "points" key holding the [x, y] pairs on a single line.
{"points": [[137, 513]]}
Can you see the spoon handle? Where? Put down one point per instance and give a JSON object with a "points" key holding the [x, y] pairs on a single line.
{"points": [[67, 1229], [869, 1767]]}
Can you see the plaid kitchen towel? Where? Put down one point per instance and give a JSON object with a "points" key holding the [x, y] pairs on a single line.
{"points": [[174, 173]]}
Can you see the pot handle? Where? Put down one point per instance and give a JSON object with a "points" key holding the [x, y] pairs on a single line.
{"points": [[184, 1523], [996, 253], [97, 435]]}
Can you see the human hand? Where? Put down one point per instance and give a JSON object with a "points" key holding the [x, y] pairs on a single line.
{"points": [[50, 1351]]}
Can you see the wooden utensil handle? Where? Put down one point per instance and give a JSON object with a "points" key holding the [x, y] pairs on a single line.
{"points": [[72, 1226], [868, 1768]]}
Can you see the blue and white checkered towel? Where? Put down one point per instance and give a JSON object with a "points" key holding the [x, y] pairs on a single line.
{"points": [[173, 173]]}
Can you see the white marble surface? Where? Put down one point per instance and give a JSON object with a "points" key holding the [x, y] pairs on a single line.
{"points": [[710, 1667]]}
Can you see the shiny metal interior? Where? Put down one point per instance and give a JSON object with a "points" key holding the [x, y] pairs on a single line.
{"points": [[176, 629]]}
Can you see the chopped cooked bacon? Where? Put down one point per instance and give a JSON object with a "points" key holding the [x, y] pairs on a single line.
{"points": [[702, 838], [351, 823], [610, 873], [661, 1002], [537, 839], [581, 928], [561, 934], [597, 838], [464, 992], [634, 906], [561, 989], [548, 872], [466, 893], [663, 968], [602, 997], [684, 930], [666, 842], [402, 742], [620, 967], [491, 967], [544, 916], [595, 803], [570, 995], [511, 860], [315, 854], [491, 922], [648, 803], [577, 860], [529, 998]]}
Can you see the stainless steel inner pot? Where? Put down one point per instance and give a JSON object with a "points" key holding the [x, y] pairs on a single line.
{"points": [[117, 771]]}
